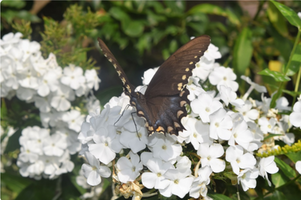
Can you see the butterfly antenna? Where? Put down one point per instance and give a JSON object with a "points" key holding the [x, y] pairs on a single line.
{"points": [[135, 124], [126, 107]]}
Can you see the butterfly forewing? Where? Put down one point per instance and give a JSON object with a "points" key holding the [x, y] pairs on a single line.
{"points": [[128, 87], [173, 74]]}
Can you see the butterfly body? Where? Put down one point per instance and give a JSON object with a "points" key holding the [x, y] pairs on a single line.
{"points": [[162, 106]]}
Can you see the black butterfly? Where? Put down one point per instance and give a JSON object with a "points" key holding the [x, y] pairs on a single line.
{"points": [[163, 104]]}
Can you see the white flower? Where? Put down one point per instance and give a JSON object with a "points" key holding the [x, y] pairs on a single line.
{"points": [[203, 68], [295, 116], [74, 119], [73, 77], [92, 79], [223, 76], [298, 166], [105, 147], [154, 178], [10, 39], [220, 125], [247, 112], [204, 106], [178, 183], [229, 96], [210, 156], [255, 86], [55, 146], [267, 125], [241, 135], [48, 82], [134, 135], [148, 75], [62, 97], [212, 53], [196, 132], [128, 169], [267, 165], [94, 171], [198, 186], [247, 178], [165, 148], [235, 155]]}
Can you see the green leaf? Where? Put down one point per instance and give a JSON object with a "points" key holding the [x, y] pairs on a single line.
{"points": [[279, 77], [133, 28], [289, 14], [119, 14], [285, 168], [278, 179], [219, 197], [214, 10], [295, 62], [277, 19], [14, 182], [15, 3], [294, 156], [243, 50]]}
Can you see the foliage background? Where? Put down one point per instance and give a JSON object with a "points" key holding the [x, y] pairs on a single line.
{"points": [[252, 36]]}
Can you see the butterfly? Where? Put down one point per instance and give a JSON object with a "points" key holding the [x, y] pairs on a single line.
{"points": [[162, 106]]}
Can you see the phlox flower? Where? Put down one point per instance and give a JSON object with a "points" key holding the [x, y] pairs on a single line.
{"points": [[73, 77], [241, 135], [267, 165], [28, 48], [295, 116], [128, 169], [105, 147], [267, 125], [199, 185], [92, 79], [29, 152], [204, 106], [255, 86], [247, 112], [223, 76], [148, 75], [247, 178], [134, 135], [93, 171], [210, 156], [165, 148], [178, 183], [229, 96], [62, 97], [298, 166], [196, 132], [212, 53], [154, 178], [220, 125], [47, 83], [56, 145], [203, 68], [238, 159], [74, 119], [10, 39], [43, 103]]}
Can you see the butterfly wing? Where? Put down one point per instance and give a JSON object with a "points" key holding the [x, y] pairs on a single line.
{"points": [[166, 95], [173, 74], [128, 88]]}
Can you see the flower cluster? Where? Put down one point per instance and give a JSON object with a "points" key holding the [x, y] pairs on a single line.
{"points": [[33, 79], [222, 129]]}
